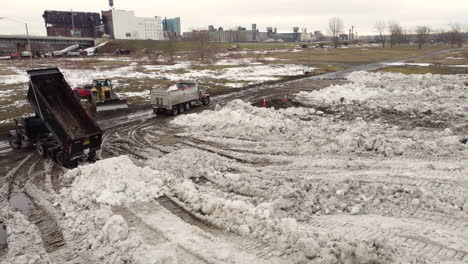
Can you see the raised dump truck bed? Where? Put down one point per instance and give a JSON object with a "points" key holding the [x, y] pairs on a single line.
{"points": [[61, 128]]}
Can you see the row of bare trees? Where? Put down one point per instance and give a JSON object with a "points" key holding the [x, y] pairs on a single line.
{"points": [[393, 33]]}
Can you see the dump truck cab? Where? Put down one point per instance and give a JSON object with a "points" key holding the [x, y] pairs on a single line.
{"points": [[29, 129]]}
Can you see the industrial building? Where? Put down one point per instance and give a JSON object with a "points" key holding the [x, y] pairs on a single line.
{"points": [[241, 34], [172, 25], [72, 24], [122, 24]]}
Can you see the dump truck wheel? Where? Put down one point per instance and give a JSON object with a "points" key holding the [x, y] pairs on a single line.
{"points": [[181, 108], [175, 110], [206, 100], [41, 149], [60, 158], [155, 110], [92, 156], [14, 144], [187, 106]]}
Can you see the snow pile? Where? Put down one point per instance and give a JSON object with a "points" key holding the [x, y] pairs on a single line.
{"points": [[404, 93], [252, 217], [114, 181], [305, 131], [24, 239], [88, 217]]}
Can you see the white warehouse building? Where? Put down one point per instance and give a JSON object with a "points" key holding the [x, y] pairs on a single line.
{"points": [[123, 24]]}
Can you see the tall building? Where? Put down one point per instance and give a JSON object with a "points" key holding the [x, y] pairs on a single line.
{"points": [[172, 25], [72, 24], [122, 24]]}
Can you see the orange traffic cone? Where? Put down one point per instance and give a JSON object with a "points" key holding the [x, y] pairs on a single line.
{"points": [[264, 102], [285, 99]]}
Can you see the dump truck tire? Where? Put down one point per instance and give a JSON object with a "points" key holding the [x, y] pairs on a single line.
{"points": [[206, 100], [14, 144], [175, 110], [181, 108], [60, 158], [41, 149], [187, 106]]}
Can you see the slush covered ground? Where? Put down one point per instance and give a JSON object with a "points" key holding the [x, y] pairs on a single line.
{"points": [[371, 170]]}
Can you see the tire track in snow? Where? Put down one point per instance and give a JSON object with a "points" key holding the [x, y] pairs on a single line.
{"points": [[412, 245], [252, 246], [154, 237]]}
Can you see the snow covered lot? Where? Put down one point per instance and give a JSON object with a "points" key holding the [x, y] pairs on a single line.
{"points": [[134, 77], [373, 171]]}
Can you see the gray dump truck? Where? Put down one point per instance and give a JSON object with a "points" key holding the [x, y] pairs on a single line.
{"points": [[178, 98], [60, 129]]}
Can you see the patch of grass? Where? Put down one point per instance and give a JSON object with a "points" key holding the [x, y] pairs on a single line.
{"points": [[87, 63], [215, 67], [139, 85], [7, 72], [425, 70], [178, 71], [357, 55], [13, 112], [446, 59], [321, 69]]}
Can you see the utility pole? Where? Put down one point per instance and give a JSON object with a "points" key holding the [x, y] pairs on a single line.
{"points": [[27, 35], [73, 24]]}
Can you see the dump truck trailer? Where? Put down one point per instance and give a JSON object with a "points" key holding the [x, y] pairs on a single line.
{"points": [[61, 129], [178, 98]]}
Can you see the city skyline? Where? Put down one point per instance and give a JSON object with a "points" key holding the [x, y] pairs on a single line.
{"points": [[281, 14]]}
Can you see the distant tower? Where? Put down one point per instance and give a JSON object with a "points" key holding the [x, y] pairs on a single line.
{"points": [[111, 4]]}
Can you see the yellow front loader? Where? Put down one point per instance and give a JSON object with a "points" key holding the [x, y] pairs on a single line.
{"points": [[104, 96]]}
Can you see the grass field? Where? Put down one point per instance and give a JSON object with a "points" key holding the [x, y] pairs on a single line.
{"points": [[358, 55], [454, 58]]}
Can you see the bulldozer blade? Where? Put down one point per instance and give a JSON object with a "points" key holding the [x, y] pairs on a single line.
{"points": [[111, 105]]}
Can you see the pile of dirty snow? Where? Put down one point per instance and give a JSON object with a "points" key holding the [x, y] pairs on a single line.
{"points": [[307, 131], [396, 91]]}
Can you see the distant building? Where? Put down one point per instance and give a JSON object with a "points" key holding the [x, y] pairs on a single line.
{"points": [[172, 25], [122, 24], [73, 24], [241, 34]]}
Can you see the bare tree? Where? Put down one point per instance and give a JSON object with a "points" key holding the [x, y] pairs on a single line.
{"points": [[171, 47], [395, 32], [335, 28], [381, 28], [422, 35], [440, 36], [202, 38], [455, 35]]}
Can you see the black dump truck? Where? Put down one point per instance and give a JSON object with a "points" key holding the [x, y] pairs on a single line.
{"points": [[61, 129]]}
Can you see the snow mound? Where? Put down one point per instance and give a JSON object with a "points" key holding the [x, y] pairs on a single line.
{"points": [[406, 93], [114, 181], [305, 131]]}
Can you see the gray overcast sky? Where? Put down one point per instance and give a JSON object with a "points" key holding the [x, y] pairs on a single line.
{"points": [[283, 14]]}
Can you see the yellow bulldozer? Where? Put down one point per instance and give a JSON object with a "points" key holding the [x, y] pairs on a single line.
{"points": [[104, 97]]}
